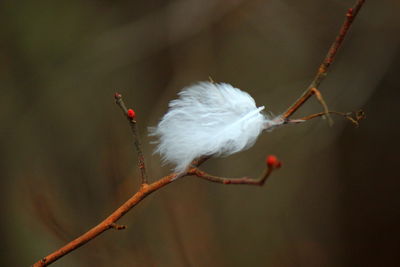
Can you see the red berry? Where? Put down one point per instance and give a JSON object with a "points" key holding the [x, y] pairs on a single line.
{"points": [[273, 162], [131, 114]]}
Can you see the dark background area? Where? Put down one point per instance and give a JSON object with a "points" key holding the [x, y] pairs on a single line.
{"points": [[67, 159]]}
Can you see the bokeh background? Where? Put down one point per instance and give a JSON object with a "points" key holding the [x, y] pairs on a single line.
{"points": [[67, 157]]}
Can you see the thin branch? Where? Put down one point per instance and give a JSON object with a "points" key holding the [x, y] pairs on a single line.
{"points": [[147, 189], [354, 117], [330, 57], [234, 181], [138, 147]]}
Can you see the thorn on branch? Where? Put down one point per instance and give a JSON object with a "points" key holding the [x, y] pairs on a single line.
{"points": [[117, 226]]}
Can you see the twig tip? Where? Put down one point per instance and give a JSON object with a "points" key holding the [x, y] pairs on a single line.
{"points": [[117, 96]]}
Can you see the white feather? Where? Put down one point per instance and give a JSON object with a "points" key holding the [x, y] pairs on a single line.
{"points": [[209, 119]]}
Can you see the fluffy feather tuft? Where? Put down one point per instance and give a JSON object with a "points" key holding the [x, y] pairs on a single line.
{"points": [[208, 119]]}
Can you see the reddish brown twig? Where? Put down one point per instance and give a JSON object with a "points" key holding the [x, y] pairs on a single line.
{"points": [[138, 147], [323, 68], [234, 181], [147, 189]]}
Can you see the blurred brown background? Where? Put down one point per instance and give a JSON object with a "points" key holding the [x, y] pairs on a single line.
{"points": [[67, 156]]}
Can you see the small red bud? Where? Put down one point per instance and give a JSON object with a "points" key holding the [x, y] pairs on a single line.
{"points": [[117, 95], [349, 12], [273, 162], [278, 165], [131, 114]]}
